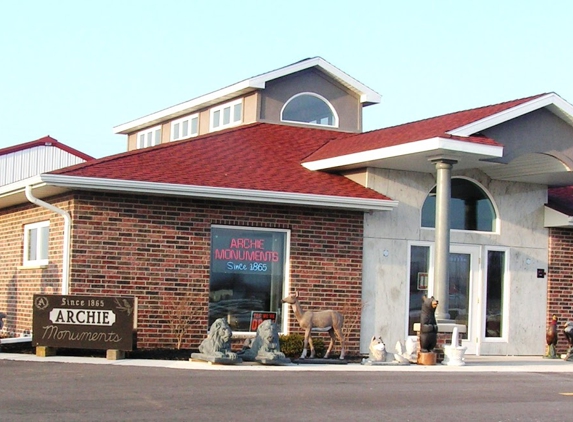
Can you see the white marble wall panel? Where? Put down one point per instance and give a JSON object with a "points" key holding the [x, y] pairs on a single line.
{"points": [[387, 237]]}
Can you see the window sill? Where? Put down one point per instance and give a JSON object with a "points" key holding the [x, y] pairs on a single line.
{"points": [[32, 267]]}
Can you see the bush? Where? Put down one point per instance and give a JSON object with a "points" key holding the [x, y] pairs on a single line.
{"points": [[291, 345]]}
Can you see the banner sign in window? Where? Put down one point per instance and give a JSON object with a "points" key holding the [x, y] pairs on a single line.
{"points": [[84, 322], [257, 318]]}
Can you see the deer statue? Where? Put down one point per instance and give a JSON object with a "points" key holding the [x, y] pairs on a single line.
{"points": [[327, 320]]}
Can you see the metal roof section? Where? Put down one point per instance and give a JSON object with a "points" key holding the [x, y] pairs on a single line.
{"points": [[25, 160], [47, 141], [367, 96]]}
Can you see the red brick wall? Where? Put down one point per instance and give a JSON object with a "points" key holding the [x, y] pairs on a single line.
{"points": [[560, 280], [18, 284], [158, 249]]}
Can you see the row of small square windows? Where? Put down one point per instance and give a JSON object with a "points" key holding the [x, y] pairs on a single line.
{"points": [[226, 115], [309, 108]]}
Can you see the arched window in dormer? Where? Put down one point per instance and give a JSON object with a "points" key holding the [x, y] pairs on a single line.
{"points": [[470, 208], [309, 108]]}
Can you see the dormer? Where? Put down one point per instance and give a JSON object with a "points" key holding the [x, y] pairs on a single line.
{"points": [[310, 93]]}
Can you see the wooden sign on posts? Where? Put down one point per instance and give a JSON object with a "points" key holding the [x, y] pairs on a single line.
{"points": [[84, 322]]}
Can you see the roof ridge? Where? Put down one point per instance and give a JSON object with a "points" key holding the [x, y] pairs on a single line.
{"points": [[440, 116]]}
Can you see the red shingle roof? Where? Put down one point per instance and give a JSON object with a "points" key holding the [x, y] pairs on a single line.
{"points": [[269, 157], [415, 131], [259, 157]]}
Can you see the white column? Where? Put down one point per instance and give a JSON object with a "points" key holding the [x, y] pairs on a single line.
{"points": [[442, 253]]}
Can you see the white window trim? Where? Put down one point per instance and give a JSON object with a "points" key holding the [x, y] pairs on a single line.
{"points": [[430, 291], [332, 109], [145, 133], [180, 121], [285, 314], [506, 292], [36, 262], [220, 109], [497, 221]]}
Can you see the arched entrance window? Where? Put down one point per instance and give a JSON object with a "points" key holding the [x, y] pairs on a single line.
{"points": [[470, 208], [309, 108]]}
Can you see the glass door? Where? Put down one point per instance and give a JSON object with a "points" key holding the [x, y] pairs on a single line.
{"points": [[477, 300], [464, 300]]}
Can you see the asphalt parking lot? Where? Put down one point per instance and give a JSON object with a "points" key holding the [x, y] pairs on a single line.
{"points": [[94, 389]]}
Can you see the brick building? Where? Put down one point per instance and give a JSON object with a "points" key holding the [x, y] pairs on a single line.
{"points": [[229, 201]]}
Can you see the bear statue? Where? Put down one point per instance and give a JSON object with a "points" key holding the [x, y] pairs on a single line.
{"points": [[428, 324]]}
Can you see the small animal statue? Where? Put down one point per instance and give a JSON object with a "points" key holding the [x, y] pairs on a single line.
{"points": [[551, 337], [327, 320], [377, 350], [218, 342], [428, 324], [568, 331], [411, 348], [407, 353]]}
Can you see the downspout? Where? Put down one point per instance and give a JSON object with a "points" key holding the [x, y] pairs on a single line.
{"points": [[67, 230]]}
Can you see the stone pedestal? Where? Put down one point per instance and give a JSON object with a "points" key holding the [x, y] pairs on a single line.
{"points": [[427, 358], [221, 360], [113, 354], [45, 351], [445, 330], [454, 355]]}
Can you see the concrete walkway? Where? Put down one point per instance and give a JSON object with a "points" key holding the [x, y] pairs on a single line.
{"points": [[473, 364]]}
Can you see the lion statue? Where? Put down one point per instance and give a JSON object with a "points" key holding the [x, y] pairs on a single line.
{"points": [[266, 345], [217, 344]]}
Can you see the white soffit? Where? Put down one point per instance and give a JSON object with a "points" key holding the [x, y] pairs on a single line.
{"points": [[553, 102], [367, 95], [527, 168], [418, 147]]}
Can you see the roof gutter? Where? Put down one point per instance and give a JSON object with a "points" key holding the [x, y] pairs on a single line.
{"points": [[67, 231], [248, 195]]}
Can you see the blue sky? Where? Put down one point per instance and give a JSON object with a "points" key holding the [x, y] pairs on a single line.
{"points": [[75, 69]]}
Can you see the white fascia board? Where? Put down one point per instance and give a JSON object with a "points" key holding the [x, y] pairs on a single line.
{"points": [[367, 95], [554, 218], [251, 84], [426, 145], [186, 107], [168, 189], [512, 113]]}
